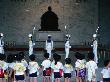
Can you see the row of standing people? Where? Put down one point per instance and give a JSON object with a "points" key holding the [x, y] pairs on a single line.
{"points": [[49, 45], [16, 68]]}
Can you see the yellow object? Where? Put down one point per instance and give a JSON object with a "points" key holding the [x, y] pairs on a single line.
{"points": [[6, 76], [68, 65], [19, 67]]}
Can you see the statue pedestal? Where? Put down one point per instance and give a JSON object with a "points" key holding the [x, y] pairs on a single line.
{"points": [[56, 35]]}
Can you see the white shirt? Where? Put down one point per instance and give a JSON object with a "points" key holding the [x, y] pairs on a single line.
{"points": [[3, 65], [10, 65], [33, 67], [68, 68], [80, 64], [58, 66], [46, 64], [49, 45], [106, 72], [95, 44], [19, 68], [67, 45], [1, 46], [91, 66]]}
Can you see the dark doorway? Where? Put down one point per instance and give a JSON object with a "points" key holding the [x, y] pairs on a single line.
{"points": [[49, 21]]}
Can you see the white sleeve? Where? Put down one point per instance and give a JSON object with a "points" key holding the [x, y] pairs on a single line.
{"points": [[102, 72], [96, 66], [62, 66], [77, 64], [52, 44], [5, 66], [43, 63]]}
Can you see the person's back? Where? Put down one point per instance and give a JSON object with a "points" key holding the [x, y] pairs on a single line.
{"points": [[19, 69], [106, 72], [46, 66], [46, 63], [91, 67], [68, 69], [33, 69]]}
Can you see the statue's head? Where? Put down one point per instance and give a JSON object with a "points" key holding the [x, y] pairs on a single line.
{"points": [[49, 8]]}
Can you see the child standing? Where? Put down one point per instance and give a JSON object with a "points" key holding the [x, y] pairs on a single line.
{"points": [[106, 71], [24, 62], [33, 68], [10, 59], [23, 59], [46, 66], [3, 68], [19, 70], [91, 68], [68, 68], [80, 67], [58, 68]]}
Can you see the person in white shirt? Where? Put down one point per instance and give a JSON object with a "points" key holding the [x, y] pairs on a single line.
{"points": [[49, 45], [95, 45], [23, 60], [52, 66], [105, 73], [57, 68], [10, 62], [19, 70], [68, 69], [1, 44], [91, 67], [46, 66], [67, 46], [31, 44], [3, 68], [33, 68], [80, 67]]}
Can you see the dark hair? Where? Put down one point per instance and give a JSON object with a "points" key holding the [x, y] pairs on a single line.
{"points": [[91, 56], [32, 57], [78, 55], [54, 55], [82, 56], [68, 61], [106, 62], [46, 55], [10, 58], [18, 57], [2, 56], [57, 58]]}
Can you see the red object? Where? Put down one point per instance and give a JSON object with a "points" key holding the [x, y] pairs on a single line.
{"points": [[48, 71], [61, 72], [1, 73]]}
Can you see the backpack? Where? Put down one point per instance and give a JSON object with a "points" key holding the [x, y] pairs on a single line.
{"points": [[48, 71], [1, 73]]}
